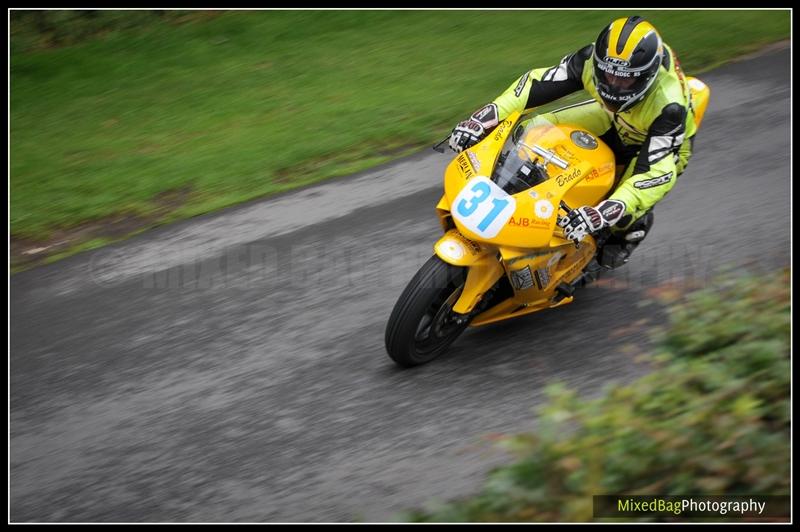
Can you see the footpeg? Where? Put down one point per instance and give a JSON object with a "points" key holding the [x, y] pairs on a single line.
{"points": [[614, 256], [564, 290], [590, 274]]}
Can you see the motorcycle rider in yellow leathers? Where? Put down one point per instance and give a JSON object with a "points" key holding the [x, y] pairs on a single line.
{"points": [[641, 108]]}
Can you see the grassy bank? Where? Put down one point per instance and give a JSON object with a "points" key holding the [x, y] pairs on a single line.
{"points": [[713, 418], [146, 125]]}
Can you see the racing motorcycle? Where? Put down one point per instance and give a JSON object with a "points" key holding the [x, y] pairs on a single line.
{"points": [[503, 253]]}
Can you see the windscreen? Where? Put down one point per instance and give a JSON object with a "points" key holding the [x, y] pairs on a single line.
{"points": [[518, 166]]}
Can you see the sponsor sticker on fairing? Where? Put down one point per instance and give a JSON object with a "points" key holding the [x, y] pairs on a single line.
{"points": [[554, 259], [563, 179], [527, 223], [592, 174], [542, 278], [476, 163], [563, 152], [465, 166], [498, 133], [543, 209], [522, 279], [452, 249]]}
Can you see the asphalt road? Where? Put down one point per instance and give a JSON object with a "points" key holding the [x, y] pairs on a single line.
{"points": [[232, 367]]}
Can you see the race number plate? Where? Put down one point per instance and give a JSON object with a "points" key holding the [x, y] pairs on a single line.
{"points": [[483, 207]]}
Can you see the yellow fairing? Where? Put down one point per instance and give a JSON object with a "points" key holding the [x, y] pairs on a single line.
{"points": [[534, 276], [586, 181], [460, 251], [532, 251], [700, 95], [480, 278], [484, 268]]}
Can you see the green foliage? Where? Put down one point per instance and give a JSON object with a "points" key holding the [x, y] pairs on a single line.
{"points": [[712, 419]]}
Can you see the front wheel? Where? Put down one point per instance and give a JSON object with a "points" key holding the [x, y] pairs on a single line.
{"points": [[422, 325]]}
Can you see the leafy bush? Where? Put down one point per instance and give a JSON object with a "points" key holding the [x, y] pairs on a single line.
{"points": [[712, 419]]}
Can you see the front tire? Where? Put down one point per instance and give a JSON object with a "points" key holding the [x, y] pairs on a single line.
{"points": [[422, 325]]}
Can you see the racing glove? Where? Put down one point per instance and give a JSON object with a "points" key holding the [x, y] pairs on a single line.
{"points": [[471, 131], [589, 220]]}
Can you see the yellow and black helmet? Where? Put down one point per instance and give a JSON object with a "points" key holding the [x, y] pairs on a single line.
{"points": [[627, 56]]}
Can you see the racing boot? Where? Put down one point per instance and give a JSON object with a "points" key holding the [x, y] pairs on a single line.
{"points": [[616, 250], [591, 273]]}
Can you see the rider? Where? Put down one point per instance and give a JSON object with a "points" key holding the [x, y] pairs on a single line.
{"points": [[641, 108]]}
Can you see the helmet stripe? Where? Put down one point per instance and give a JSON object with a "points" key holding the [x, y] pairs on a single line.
{"points": [[625, 34], [639, 33], [613, 37], [627, 28]]}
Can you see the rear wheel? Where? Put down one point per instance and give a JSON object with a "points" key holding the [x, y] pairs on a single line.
{"points": [[422, 324]]}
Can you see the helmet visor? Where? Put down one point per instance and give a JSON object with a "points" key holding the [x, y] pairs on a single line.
{"points": [[619, 83], [619, 86]]}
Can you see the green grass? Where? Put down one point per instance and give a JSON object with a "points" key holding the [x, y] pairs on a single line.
{"points": [[252, 103]]}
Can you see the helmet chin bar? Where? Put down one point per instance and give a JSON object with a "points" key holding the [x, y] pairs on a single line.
{"points": [[633, 99], [630, 102]]}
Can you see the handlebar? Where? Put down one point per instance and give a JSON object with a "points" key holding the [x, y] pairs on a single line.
{"points": [[437, 148]]}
